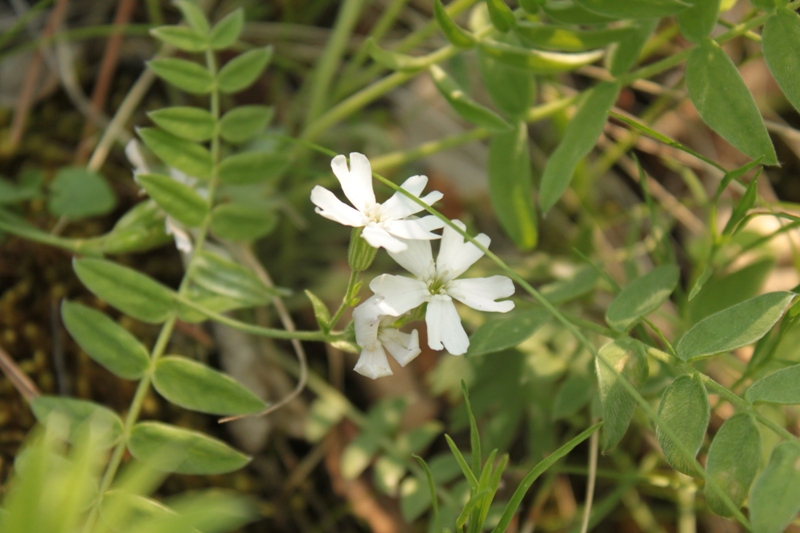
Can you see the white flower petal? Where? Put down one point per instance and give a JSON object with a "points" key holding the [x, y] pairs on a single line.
{"points": [[334, 209], [444, 326], [414, 228], [404, 347], [399, 293], [366, 319], [373, 362], [134, 154], [480, 293], [183, 241], [457, 255], [416, 258], [400, 206], [356, 182], [377, 237]]}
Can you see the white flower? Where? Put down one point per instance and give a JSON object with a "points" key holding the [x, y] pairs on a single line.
{"points": [[375, 335], [382, 223], [437, 285]]}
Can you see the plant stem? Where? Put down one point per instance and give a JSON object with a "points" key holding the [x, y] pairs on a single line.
{"points": [[348, 296]]}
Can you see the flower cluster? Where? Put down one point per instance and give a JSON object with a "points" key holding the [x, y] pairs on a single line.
{"points": [[434, 284]]}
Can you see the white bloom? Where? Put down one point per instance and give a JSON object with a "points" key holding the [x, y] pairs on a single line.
{"points": [[382, 223], [436, 284], [375, 335]]}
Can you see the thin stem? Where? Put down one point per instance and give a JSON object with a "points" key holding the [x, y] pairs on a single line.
{"points": [[348, 296]]}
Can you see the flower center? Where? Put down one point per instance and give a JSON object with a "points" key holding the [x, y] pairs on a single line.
{"points": [[374, 214], [437, 286]]}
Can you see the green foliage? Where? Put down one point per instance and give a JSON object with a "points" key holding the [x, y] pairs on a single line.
{"points": [[465, 106], [511, 185], [642, 9], [452, 31], [179, 201], [622, 359], [733, 461], [685, 410], [537, 61], [185, 75], [781, 37], [226, 32], [734, 327], [173, 449], [778, 387], [252, 167], [105, 341], [773, 498], [129, 291], [579, 139], [241, 222], [190, 123], [243, 70], [80, 418], [724, 102], [697, 21], [506, 331], [243, 123], [79, 193], [183, 155], [197, 387], [641, 297]]}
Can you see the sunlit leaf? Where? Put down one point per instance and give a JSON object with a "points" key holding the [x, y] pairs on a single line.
{"points": [[394, 60], [194, 16], [567, 39], [501, 15], [226, 32], [571, 12]]}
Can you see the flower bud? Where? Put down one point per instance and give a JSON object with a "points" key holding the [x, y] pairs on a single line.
{"points": [[360, 254]]}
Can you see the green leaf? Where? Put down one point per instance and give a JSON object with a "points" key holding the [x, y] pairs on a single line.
{"points": [[734, 174], [190, 123], [105, 341], [241, 71], [725, 103], [179, 201], [745, 203], [573, 394], [226, 32], [82, 415], [733, 461], [734, 327], [685, 410], [77, 192], [501, 15], [321, 312], [778, 387], [242, 123], [183, 451], [697, 21], [780, 42], [394, 60], [131, 292], [252, 167], [195, 386], [454, 33], [571, 12], [565, 290], [511, 185], [12, 193], [183, 155], [642, 297], [625, 54], [240, 222], [510, 88], [194, 16], [640, 9], [628, 360], [773, 498], [579, 139], [226, 278], [567, 39], [181, 37], [185, 75], [537, 471], [506, 331], [141, 228], [538, 61], [465, 106]]}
